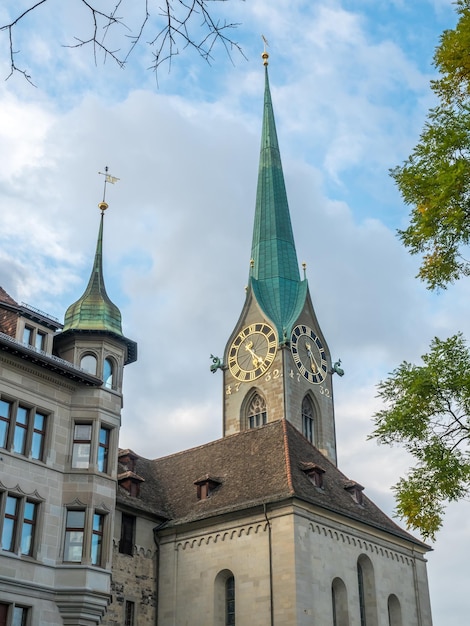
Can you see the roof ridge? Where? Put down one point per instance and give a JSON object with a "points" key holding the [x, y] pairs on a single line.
{"points": [[287, 457]]}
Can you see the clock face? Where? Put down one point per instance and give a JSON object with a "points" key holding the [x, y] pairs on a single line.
{"points": [[309, 354], [252, 351]]}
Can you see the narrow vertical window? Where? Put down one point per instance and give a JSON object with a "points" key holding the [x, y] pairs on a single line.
{"points": [[308, 423], [39, 434], [108, 374], [97, 539], [257, 415], [126, 542], [362, 603], [230, 601], [103, 449], [28, 336], [5, 417], [10, 523], [40, 341], [20, 616], [129, 612], [74, 533], [29, 524], [81, 446], [21, 428]]}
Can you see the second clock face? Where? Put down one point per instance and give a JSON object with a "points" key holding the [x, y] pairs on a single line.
{"points": [[308, 354], [252, 351]]}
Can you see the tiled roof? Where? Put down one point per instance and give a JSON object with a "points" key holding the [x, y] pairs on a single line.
{"points": [[6, 298], [254, 467]]}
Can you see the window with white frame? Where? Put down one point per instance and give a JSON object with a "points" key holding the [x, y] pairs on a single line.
{"points": [[91, 446], [82, 545], [22, 429], [81, 448], [18, 523], [74, 535]]}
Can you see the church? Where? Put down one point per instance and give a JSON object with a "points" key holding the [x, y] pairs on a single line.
{"points": [[258, 528]]}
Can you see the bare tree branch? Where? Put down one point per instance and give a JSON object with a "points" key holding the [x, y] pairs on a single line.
{"points": [[190, 23]]}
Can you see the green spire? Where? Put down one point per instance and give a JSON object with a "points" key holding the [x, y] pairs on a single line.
{"points": [[94, 310], [275, 277]]}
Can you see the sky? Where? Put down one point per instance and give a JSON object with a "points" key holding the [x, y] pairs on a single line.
{"points": [[350, 88]]}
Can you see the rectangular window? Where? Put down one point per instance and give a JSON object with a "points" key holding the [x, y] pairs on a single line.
{"points": [[40, 340], [103, 449], [10, 523], [81, 446], [39, 435], [129, 612], [23, 430], [18, 524], [5, 419], [28, 335], [97, 539], [74, 534], [20, 615], [126, 542], [29, 526], [13, 615]]}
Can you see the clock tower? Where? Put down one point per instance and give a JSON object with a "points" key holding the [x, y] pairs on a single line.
{"points": [[277, 364]]}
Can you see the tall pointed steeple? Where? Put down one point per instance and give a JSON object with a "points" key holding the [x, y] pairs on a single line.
{"points": [[274, 277], [94, 310], [277, 362]]}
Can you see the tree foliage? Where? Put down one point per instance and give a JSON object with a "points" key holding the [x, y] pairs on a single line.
{"points": [[435, 179], [427, 409], [171, 26]]}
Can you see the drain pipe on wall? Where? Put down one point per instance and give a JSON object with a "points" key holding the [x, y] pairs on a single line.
{"points": [[271, 595]]}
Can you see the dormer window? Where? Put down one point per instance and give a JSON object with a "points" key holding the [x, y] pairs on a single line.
{"points": [[131, 483], [206, 486], [355, 490], [128, 459], [314, 473]]}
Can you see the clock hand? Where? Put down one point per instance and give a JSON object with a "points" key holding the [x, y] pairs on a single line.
{"points": [[256, 359], [313, 362]]}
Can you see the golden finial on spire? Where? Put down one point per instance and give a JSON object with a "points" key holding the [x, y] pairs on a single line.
{"points": [[265, 55], [103, 205]]}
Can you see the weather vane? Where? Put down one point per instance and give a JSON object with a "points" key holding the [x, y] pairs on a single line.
{"points": [[107, 179], [265, 55]]}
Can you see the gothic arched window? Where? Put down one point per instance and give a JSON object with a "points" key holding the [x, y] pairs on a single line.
{"points": [[256, 414], [308, 419]]}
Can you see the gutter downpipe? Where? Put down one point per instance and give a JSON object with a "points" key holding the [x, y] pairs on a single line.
{"points": [[416, 586], [271, 594]]}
